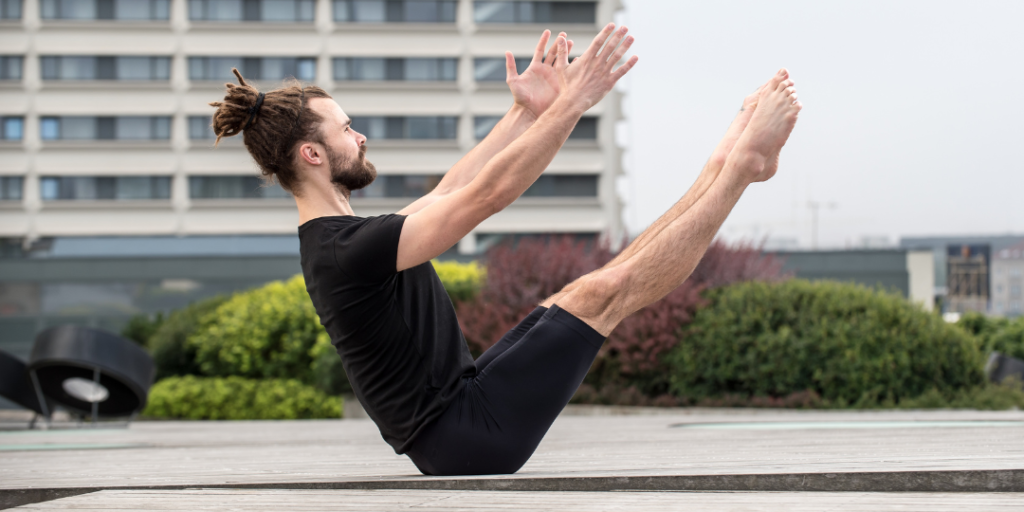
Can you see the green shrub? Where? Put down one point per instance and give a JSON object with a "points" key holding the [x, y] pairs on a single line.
{"points": [[1008, 339], [265, 333], [988, 396], [847, 343], [171, 353], [462, 281], [140, 328], [237, 398]]}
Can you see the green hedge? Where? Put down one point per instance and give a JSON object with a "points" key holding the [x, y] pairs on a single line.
{"points": [[462, 281], [168, 343], [237, 398], [267, 333], [849, 344]]}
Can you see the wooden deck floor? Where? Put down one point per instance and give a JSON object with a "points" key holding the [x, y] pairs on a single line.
{"points": [[478, 501], [632, 450]]}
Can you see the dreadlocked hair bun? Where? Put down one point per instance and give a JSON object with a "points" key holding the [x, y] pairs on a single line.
{"points": [[276, 127]]}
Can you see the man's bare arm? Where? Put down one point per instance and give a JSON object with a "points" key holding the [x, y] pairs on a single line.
{"points": [[440, 225], [533, 92]]}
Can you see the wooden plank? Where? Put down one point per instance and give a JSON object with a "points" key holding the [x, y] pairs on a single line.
{"points": [[469, 501]]}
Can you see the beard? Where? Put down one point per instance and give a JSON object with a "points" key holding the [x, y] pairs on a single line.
{"points": [[351, 175]]}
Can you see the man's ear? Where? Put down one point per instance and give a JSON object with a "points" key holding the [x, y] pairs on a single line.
{"points": [[311, 153]]}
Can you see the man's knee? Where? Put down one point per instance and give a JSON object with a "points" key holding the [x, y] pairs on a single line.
{"points": [[597, 298]]}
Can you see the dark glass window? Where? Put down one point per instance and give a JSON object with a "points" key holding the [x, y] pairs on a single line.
{"points": [[10, 67], [489, 11], [400, 69], [492, 69], [409, 186], [10, 9], [232, 187], [105, 68], [127, 10], [12, 128], [10, 188], [105, 128], [199, 127], [91, 188], [563, 185], [255, 68], [252, 10], [406, 127], [394, 11], [586, 128]]}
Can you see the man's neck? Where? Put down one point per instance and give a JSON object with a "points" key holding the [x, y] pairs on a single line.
{"points": [[317, 200]]}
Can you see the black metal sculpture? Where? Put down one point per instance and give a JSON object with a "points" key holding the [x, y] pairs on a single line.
{"points": [[88, 371]]}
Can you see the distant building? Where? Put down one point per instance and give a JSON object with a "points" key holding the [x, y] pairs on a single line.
{"points": [[908, 272], [968, 268], [940, 245], [1008, 281]]}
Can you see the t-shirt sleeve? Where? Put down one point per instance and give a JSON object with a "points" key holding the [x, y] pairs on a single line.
{"points": [[369, 253]]}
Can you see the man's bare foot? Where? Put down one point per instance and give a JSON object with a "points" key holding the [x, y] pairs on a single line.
{"points": [[769, 126], [739, 123]]}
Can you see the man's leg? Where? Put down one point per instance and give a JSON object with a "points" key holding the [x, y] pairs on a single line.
{"points": [[707, 176], [603, 298]]}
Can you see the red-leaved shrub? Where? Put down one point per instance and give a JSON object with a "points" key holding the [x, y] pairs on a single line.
{"points": [[521, 276]]}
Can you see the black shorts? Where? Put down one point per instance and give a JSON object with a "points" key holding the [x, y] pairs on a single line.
{"points": [[522, 383]]}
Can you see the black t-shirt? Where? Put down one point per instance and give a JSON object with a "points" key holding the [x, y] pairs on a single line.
{"points": [[396, 332]]}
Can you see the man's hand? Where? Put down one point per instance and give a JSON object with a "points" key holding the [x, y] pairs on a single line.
{"points": [[592, 75], [538, 87]]}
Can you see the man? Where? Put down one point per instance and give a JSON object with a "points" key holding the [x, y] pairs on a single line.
{"points": [[383, 305]]}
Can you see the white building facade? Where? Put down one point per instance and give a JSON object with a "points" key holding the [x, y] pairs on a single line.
{"points": [[105, 124], [1008, 281]]}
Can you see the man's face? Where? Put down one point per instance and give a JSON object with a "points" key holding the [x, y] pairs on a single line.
{"points": [[345, 147]]}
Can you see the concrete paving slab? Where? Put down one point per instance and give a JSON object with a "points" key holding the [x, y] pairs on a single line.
{"points": [[691, 449], [428, 501]]}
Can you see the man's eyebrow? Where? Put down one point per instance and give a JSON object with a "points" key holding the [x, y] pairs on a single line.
{"points": [[346, 123]]}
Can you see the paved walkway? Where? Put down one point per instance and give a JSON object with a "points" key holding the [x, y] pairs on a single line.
{"points": [[331, 464]]}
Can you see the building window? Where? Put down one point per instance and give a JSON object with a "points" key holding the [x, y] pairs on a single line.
{"points": [[407, 127], [492, 69], [400, 186], [233, 187], [394, 11], [105, 68], [97, 188], [10, 9], [255, 68], [586, 128], [12, 128], [563, 185], [252, 10], [105, 128], [534, 12], [10, 67], [127, 10], [200, 128], [10, 188], [398, 69]]}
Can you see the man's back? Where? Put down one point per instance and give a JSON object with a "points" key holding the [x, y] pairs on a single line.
{"points": [[396, 332]]}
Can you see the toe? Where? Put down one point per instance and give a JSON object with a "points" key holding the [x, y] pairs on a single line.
{"points": [[779, 77], [784, 84]]}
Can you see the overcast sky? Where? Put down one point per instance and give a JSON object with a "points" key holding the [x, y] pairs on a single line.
{"points": [[913, 120]]}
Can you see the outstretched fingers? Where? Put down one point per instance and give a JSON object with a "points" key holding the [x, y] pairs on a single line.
{"points": [[620, 51], [553, 52], [598, 42], [510, 67], [611, 46], [623, 69], [542, 44], [562, 57]]}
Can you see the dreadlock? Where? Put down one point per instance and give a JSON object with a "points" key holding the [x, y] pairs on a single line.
{"points": [[273, 130]]}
